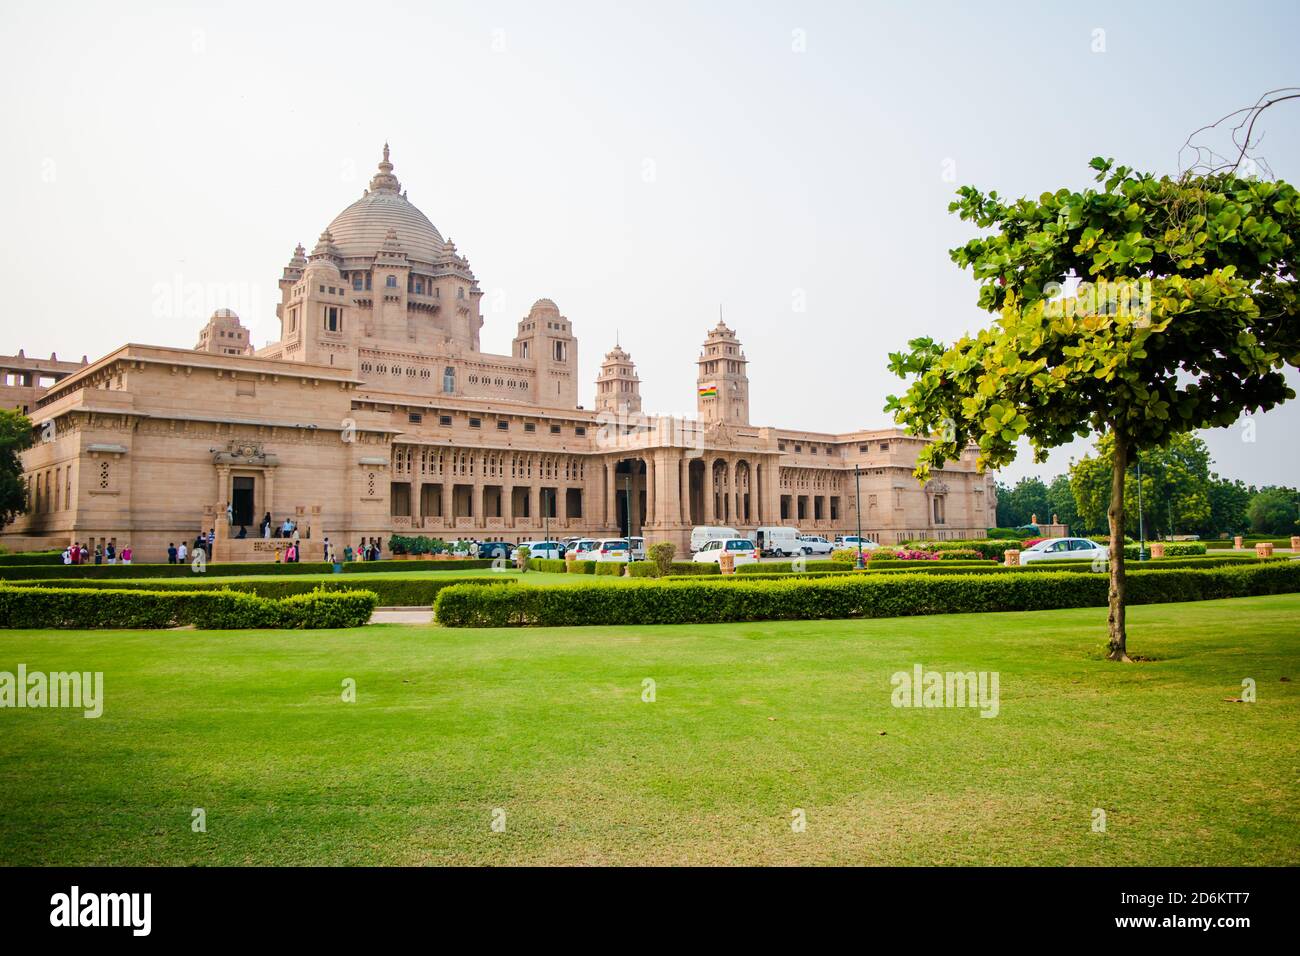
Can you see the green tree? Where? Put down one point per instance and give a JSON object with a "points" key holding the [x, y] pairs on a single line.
{"points": [[1061, 497], [1183, 318], [1176, 483], [1274, 511], [1018, 504], [15, 436], [1229, 502]]}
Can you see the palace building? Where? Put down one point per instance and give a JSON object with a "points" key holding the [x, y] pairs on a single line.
{"points": [[376, 413]]}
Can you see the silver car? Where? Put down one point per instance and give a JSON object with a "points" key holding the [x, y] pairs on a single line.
{"points": [[1064, 549]]}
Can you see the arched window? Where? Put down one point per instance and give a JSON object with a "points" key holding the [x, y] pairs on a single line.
{"points": [[449, 379]]}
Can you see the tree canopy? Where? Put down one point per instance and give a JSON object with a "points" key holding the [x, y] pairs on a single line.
{"points": [[1183, 318], [15, 436]]}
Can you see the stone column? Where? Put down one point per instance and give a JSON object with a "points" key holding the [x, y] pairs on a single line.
{"points": [[708, 491], [651, 499], [535, 506], [611, 496], [684, 490], [448, 502]]}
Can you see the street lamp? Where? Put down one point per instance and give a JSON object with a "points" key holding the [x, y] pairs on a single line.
{"points": [[857, 506], [1142, 530]]}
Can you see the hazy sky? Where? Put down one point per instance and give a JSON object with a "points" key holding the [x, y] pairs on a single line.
{"points": [[639, 165]]}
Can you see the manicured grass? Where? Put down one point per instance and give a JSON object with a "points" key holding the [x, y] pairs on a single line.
{"points": [[750, 722]]}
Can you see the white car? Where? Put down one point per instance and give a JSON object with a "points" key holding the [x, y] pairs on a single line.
{"points": [[581, 549], [638, 548], [539, 549], [742, 550], [815, 544], [608, 549], [850, 542], [703, 534], [1064, 549]]}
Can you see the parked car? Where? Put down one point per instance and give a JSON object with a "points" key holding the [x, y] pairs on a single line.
{"points": [[815, 544], [704, 533], [495, 549], [1064, 549], [850, 542], [582, 549], [610, 549], [540, 549], [638, 549], [782, 542], [742, 550]]}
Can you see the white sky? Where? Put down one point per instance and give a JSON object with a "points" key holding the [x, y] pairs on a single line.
{"points": [[639, 165]]}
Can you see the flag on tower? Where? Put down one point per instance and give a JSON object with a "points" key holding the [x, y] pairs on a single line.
{"points": [[709, 391]]}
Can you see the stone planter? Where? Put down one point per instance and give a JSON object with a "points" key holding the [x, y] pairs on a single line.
{"points": [[1011, 558], [1236, 542], [1295, 542], [1157, 549], [1264, 549], [727, 563], [570, 566]]}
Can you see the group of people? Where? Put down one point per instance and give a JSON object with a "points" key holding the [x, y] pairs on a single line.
{"points": [[269, 529], [107, 553]]}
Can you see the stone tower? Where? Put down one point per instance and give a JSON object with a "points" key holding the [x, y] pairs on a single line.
{"points": [[545, 338], [722, 385], [618, 390], [224, 335]]}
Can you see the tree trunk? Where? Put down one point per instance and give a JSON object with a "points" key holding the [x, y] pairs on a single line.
{"points": [[1118, 650]]}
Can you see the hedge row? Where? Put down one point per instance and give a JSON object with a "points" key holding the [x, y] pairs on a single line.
{"points": [[390, 592], [32, 557], [840, 596], [773, 567], [1173, 549], [101, 571], [637, 569], [1249, 542], [85, 608]]}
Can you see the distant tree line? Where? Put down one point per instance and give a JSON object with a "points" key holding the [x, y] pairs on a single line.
{"points": [[1181, 494]]}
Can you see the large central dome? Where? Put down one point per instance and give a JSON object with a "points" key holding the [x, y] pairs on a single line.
{"points": [[360, 230]]}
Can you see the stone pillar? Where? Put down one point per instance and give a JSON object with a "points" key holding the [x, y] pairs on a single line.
{"points": [[684, 490], [651, 500], [1236, 542], [611, 494], [508, 505], [708, 491], [561, 503], [1295, 542], [1012, 558], [535, 503], [448, 502], [1157, 549], [1264, 549]]}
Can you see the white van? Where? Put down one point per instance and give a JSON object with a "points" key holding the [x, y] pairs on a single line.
{"points": [[705, 533], [782, 542]]}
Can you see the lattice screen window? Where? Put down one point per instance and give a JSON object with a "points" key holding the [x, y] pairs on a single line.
{"points": [[103, 476]]}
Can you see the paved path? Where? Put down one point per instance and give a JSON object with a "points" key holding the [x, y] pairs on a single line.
{"points": [[402, 615]]}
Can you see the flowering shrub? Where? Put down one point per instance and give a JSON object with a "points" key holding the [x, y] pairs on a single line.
{"points": [[1030, 542], [913, 555]]}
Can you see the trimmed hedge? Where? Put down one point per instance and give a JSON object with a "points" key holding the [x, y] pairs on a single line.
{"points": [[776, 567], [390, 592], [554, 565], [1249, 542], [1173, 549], [90, 571], [33, 557], [87, 608], [841, 596]]}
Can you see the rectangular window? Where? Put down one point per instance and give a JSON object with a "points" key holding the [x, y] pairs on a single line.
{"points": [[414, 418], [530, 427], [503, 426], [444, 421], [580, 430], [475, 423], [555, 429]]}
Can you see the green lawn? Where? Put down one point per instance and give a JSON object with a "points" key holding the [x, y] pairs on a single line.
{"points": [[750, 722]]}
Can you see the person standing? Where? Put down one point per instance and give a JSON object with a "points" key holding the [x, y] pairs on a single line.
{"points": [[230, 514], [67, 555], [171, 552], [266, 525], [110, 553], [182, 553], [126, 554], [76, 552]]}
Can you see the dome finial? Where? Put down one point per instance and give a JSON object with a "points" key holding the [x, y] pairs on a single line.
{"points": [[384, 180]]}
